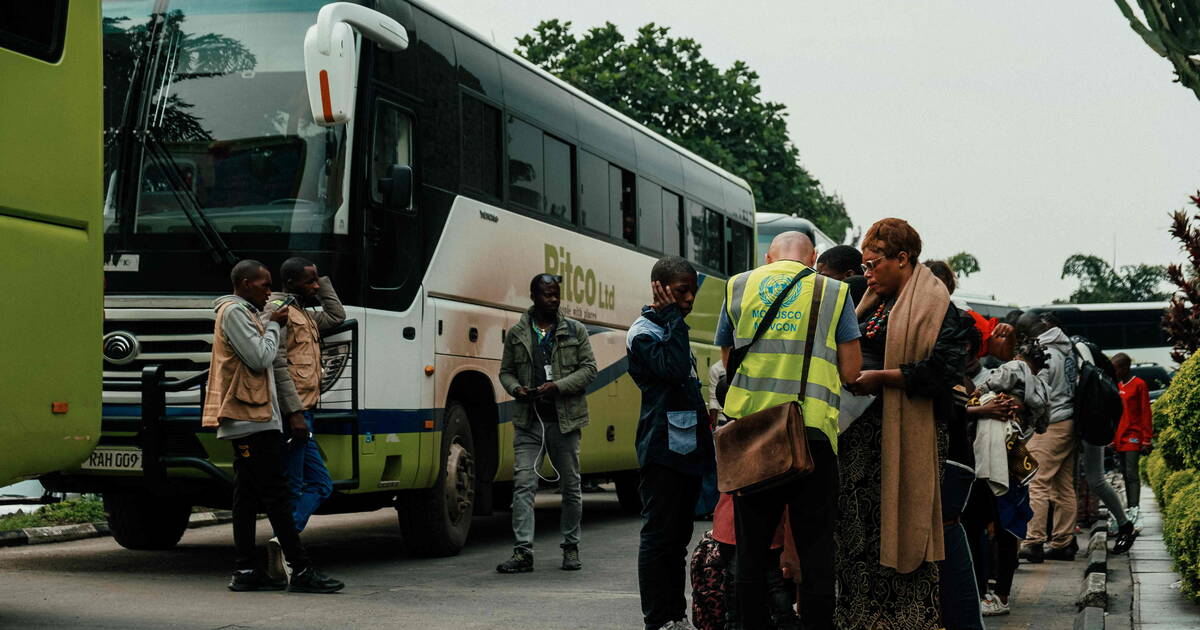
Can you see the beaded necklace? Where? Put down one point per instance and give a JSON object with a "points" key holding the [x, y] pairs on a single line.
{"points": [[877, 319]]}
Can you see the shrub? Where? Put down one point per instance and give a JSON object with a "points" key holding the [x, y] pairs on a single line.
{"points": [[1153, 469], [1177, 417], [1175, 482], [1181, 533], [84, 510]]}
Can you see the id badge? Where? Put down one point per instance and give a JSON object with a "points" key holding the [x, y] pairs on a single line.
{"points": [[549, 375]]}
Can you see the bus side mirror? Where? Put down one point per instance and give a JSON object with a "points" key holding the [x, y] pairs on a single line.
{"points": [[331, 59], [397, 188]]}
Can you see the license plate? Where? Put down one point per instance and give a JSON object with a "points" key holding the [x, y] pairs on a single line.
{"points": [[114, 459]]}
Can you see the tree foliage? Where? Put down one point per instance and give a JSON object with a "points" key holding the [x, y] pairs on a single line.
{"points": [[1100, 282], [665, 83], [963, 264], [1182, 321]]}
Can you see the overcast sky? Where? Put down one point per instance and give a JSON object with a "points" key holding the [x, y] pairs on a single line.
{"points": [[1021, 131]]}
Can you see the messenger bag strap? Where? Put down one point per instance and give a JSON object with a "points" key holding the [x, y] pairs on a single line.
{"points": [[809, 341], [739, 354]]}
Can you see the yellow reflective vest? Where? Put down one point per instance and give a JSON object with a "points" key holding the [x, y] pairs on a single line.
{"points": [[771, 372]]}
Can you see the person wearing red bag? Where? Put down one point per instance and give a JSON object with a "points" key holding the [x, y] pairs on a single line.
{"points": [[1134, 433]]}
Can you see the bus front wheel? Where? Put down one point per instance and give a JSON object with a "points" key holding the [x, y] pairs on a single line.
{"points": [[140, 520], [435, 521]]}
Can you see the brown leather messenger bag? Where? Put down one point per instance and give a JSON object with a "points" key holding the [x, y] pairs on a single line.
{"points": [[768, 448]]}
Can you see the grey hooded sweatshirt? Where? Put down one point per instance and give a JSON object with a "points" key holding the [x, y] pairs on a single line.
{"points": [[1060, 374], [258, 352]]}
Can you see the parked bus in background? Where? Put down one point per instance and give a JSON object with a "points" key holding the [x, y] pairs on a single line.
{"points": [[1134, 328], [985, 304], [430, 174], [771, 224], [50, 235]]}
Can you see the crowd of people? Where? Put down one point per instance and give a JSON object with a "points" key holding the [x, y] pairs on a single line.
{"points": [[924, 448], [940, 444]]}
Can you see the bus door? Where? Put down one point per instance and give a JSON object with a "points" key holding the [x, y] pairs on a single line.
{"points": [[391, 225]]}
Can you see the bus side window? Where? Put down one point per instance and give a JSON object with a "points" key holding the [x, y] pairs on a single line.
{"points": [[392, 144], [621, 200], [741, 248], [672, 206], [649, 201], [36, 29]]}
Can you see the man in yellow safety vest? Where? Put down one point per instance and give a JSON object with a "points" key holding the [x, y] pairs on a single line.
{"points": [[769, 375]]}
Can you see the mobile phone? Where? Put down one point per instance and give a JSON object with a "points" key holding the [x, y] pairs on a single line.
{"points": [[291, 299]]}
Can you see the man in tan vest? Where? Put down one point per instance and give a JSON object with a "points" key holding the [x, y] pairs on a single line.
{"points": [[299, 387], [241, 402]]}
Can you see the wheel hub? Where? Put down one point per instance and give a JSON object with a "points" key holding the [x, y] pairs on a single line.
{"points": [[460, 482]]}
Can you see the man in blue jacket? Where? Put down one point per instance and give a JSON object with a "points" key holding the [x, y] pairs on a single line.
{"points": [[674, 441]]}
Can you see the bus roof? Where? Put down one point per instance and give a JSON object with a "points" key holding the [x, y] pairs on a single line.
{"points": [[471, 32], [1106, 306]]}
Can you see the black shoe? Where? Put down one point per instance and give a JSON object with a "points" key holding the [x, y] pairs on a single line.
{"points": [[1125, 537], [255, 580], [1066, 554], [571, 558], [520, 562], [1033, 554], [310, 580]]}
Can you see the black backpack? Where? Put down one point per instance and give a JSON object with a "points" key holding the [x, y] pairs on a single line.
{"points": [[1098, 406]]}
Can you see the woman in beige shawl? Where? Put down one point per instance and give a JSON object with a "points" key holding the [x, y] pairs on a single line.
{"points": [[890, 524]]}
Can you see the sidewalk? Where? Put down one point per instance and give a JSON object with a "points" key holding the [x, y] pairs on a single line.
{"points": [[1157, 604], [1043, 595]]}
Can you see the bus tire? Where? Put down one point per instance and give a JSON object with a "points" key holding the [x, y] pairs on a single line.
{"points": [[140, 520], [628, 496], [435, 521]]}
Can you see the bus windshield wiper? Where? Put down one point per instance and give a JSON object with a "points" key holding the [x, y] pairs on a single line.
{"points": [[216, 246]]}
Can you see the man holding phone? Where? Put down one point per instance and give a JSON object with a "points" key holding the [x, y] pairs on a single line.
{"points": [[547, 366], [299, 386]]}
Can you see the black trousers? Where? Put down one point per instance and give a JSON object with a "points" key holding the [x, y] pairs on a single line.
{"points": [[259, 485], [668, 509], [812, 506]]}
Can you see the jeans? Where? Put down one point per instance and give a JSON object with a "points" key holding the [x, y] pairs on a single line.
{"points": [[957, 579], [668, 508], [308, 478], [812, 507], [259, 485], [563, 449], [1093, 470], [1133, 482]]}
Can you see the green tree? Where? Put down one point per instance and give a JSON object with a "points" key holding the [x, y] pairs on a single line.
{"points": [[1182, 320], [665, 83], [1170, 28], [963, 264], [1100, 282]]}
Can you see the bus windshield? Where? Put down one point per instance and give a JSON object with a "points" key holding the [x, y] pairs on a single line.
{"points": [[206, 114]]}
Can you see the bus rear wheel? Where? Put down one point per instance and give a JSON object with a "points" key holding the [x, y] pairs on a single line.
{"points": [[139, 520], [435, 521]]}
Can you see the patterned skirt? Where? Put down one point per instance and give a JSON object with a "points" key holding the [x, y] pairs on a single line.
{"points": [[872, 596]]}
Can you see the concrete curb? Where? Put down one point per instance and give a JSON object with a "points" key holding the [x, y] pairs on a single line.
{"points": [[1093, 593], [65, 533]]}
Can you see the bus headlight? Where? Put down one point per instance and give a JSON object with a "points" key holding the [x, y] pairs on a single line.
{"points": [[334, 358]]}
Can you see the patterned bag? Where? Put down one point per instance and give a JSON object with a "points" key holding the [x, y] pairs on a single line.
{"points": [[710, 578]]}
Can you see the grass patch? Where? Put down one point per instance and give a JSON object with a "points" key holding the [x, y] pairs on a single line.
{"points": [[70, 512]]}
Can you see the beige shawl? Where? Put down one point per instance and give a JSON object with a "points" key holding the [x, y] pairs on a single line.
{"points": [[911, 507]]}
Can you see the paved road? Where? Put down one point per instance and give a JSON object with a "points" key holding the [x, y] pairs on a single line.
{"points": [[96, 584]]}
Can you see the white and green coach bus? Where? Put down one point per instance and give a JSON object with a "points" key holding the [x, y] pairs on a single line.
{"points": [[431, 175]]}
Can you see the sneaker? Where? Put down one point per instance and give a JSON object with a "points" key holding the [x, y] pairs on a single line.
{"points": [[1135, 514], [277, 567], [1125, 538], [1112, 526], [1033, 554], [520, 562], [1066, 554], [255, 580], [991, 606], [682, 624], [570, 558], [310, 580]]}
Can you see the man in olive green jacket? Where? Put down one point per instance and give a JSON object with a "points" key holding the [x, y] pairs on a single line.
{"points": [[547, 366]]}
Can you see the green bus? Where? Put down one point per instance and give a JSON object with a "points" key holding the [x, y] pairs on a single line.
{"points": [[51, 245]]}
